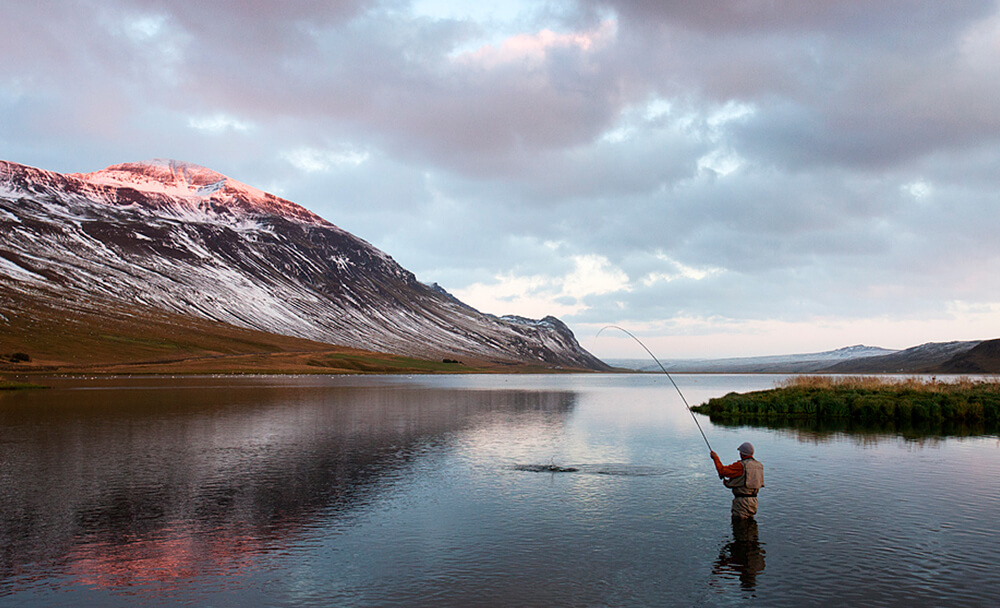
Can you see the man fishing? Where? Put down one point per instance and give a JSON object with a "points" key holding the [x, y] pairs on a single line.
{"points": [[745, 478]]}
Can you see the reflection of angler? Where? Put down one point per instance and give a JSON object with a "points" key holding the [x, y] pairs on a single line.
{"points": [[744, 556], [745, 478]]}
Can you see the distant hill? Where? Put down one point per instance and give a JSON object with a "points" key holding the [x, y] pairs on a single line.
{"points": [[774, 364], [932, 357], [925, 358], [984, 358]]}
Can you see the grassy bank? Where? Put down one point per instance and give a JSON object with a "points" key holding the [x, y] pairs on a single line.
{"points": [[6, 385], [95, 337], [864, 399]]}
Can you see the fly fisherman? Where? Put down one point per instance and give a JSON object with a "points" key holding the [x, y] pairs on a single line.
{"points": [[744, 478]]}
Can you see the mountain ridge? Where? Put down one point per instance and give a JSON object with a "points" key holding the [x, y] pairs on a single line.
{"points": [[984, 358], [204, 245], [931, 357], [923, 358], [205, 189]]}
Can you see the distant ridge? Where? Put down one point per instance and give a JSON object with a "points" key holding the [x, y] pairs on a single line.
{"points": [[932, 357], [925, 358], [984, 358], [797, 363]]}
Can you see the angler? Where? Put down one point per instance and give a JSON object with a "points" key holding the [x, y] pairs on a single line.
{"points": [[745, 478]]}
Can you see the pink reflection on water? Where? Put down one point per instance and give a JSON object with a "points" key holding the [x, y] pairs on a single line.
{"points": [[174, 555]]}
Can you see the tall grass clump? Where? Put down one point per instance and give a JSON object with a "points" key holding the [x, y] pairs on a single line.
{"points": [[904, 400]]}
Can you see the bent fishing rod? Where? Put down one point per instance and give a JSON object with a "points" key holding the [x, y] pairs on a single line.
{"points": [[693, 417]]}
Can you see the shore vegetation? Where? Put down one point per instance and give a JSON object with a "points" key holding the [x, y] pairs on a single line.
{"points": [[865, 399], [9, 385]]}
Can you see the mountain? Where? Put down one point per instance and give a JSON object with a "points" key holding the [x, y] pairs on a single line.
{"points": [[184, 240], [984, 358], [925, 358], [775, 364], [933, 357]]}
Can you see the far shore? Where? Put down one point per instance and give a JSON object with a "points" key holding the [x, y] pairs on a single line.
{"points": [[6, 385], [312, 362]]}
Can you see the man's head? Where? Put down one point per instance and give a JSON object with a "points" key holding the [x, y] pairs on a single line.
{"points": [[746, 449]]}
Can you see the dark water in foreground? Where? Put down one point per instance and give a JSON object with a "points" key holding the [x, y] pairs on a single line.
{"points": [[389, 491]]}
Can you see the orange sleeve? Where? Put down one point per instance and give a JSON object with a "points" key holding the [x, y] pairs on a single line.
{"points": [[733, 470]]}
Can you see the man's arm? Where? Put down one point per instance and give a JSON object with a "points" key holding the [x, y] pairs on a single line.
{"points": [[732, 470]]}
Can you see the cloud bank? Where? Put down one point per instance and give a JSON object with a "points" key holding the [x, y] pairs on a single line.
{"points": [[724, 178]]}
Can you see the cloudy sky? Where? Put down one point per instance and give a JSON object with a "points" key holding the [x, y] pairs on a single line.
{"points": [[724, 178]]}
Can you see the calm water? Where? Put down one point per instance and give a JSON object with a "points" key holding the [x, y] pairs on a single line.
{"points": [[392, 491]]}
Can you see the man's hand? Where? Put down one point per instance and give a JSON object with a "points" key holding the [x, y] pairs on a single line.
{"points": [[713, 455]]}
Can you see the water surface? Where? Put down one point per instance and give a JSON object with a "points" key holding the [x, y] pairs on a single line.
{"points": [[395, 491]]}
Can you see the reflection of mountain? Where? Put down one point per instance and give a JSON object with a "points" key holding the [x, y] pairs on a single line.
{"points": [[129, 485]]}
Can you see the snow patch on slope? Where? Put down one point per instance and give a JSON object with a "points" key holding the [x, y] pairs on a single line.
{"points": [[19, 272]]}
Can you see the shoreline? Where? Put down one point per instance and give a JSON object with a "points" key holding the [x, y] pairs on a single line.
{"points": [[864, 399]]}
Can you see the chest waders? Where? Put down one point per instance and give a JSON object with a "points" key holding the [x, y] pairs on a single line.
{"points": [[745, 488]]}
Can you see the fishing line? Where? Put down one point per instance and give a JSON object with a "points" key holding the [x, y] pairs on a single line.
{"points": [[693, 417]]}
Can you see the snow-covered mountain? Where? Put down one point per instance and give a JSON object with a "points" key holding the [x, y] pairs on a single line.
{"points": [[185, 239]]}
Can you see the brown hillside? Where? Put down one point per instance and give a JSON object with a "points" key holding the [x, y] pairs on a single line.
{"points": [[982, 359], [102, 337]]}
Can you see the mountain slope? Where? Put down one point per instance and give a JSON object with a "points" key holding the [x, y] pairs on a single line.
{"points": [[186, 240], [972, 357], [984, 358], [774, 364], [101, 336], [918, 359]]}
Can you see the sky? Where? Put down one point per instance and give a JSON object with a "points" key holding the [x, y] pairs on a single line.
{"points": [[724, 178]]}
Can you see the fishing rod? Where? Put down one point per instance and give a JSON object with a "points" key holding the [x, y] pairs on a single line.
{"points": [[693, 417]]}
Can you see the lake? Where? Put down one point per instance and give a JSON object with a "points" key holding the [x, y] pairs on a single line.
{"points": [[405, 491]]}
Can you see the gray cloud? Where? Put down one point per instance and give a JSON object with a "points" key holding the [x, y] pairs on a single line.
{"points": [[758, 162]]}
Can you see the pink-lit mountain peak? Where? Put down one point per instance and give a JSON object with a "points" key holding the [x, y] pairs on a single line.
{"points": [[161, 175], [195, 185]]}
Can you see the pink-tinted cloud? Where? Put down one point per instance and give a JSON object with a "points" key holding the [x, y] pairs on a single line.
{"points": [[781, 142]]}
